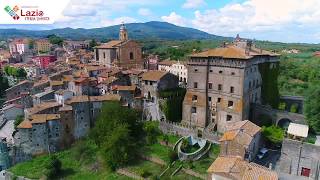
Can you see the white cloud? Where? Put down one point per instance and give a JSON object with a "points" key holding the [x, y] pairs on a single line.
{"points": [[259, 16], [174, 18], [189, 4], [144, 12], [116, 21]]}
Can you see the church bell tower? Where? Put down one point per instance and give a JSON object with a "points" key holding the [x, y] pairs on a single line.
{"points": [[123, 35]]}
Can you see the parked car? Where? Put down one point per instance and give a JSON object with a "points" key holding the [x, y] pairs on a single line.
{"points": [[262, 153]]}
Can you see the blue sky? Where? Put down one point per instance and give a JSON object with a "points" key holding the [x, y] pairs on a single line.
{"points": [[275, 20]]}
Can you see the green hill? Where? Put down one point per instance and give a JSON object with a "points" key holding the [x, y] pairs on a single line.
{"points": [[148, 30]]}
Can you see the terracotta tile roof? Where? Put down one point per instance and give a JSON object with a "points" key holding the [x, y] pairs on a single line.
{"points": [[26, 124], [95, 68], [67, 78], [242, 132], [126, 88], [43, 106], [223, 165], [257, 172], [236, 168], [246, 125], [110, 80], [167, 63], [108, 45], [56, 83], [42, 118], [229, 136], [107, 97], [153, 75], [233, 52], [78, 99], [41, 82], [201, 98]]}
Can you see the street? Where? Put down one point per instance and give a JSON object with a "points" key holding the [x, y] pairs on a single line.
{"points": [[271, 157]]}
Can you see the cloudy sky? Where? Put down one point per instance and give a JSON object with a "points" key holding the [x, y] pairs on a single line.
{"points": [[275, 20]]}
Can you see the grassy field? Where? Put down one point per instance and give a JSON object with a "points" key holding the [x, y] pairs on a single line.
{"points": [[71, 168], [89, 166]]}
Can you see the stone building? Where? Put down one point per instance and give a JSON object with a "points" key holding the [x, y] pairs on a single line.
{"points": [[223, 82], [122, 53], [16, 90], [39, 133], [234, 168], [42, 45], [299, 159], [242, 139], [155, 81], [177, 68]]}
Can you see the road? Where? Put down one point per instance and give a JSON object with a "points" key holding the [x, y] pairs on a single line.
{"points": [[271, 157]]}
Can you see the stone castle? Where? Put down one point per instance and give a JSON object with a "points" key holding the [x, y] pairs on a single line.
{"points": [[223, 83]]}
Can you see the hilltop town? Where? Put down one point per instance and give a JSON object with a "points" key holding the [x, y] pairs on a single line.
{"points": [[217, 114]]}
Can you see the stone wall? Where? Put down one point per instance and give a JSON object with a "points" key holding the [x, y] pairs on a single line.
{"points": [[296, 155], [186, 130], [177, 129]]}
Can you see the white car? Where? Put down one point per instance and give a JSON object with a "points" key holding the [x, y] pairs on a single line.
{"points": [[262, 153]]}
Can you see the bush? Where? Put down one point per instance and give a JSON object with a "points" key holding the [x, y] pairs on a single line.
{"points": [[17, 121], [144, 173], [294, 108], [273, 134], [152, 132], [53, 167], [172, 156]]}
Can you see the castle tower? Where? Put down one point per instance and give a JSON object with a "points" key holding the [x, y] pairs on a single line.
{"points": [[123, 34]]}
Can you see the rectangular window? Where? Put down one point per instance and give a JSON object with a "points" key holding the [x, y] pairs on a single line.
{"points": [[193, 110], [230, 104], [220, 87], [231, 89], [210, 85], [104, 55], [195, 85], [209, 99], [219, 100], [229, 117]]}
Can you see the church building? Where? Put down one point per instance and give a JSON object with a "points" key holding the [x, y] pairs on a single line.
{"points": [[121, 53]]}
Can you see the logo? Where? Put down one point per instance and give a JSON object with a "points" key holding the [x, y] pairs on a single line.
{"points": [[12, 12], [27, 13]]}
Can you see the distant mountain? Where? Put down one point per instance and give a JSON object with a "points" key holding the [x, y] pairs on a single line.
{"points": [[148, 30]]}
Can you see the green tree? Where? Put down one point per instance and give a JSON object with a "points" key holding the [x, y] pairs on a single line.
{"points": [[21, 73], [118, 133], [4, 84], [152, 132], [17, 121], [31, 44], [53, 167], [54, 39], [92, 44], [273, 134], [312, 107], [6, 70]]}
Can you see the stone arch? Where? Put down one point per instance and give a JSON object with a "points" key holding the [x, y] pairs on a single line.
{"points": [[284, 122]]}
